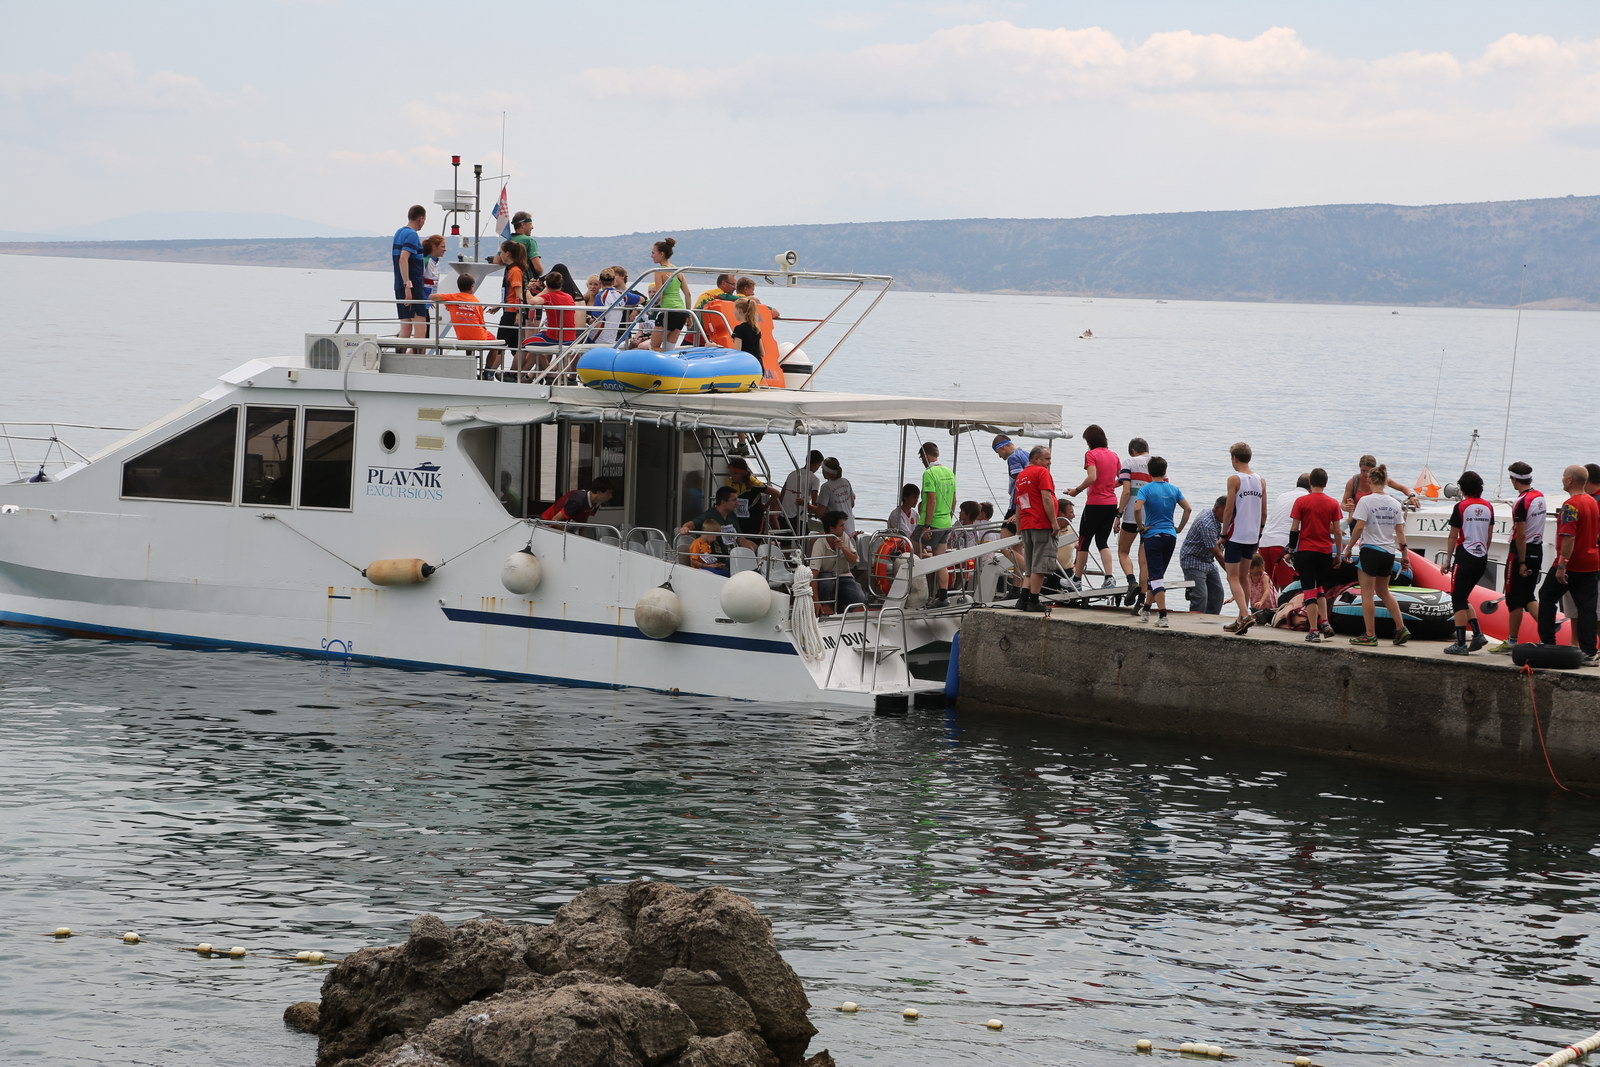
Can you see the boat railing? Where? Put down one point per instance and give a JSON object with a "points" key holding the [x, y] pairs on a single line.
{"points": [[556, 363], [35, 450]]}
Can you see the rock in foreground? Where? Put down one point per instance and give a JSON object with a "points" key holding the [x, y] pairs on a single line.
{"points": [[645, 973]]}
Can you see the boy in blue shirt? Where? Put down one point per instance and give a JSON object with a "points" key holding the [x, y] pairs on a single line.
{"points": [[1153, 507]]}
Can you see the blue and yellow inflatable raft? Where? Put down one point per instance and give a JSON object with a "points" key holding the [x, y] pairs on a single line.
{"points": [[681, 370]]}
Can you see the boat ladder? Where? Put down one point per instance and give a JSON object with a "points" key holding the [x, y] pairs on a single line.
{"points": [[872, 649]]}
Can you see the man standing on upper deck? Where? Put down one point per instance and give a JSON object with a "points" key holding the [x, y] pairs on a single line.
{"points": [[1577, 565], [1016, 463], [938, 515], [522, 233], [798, 497], [407, 259]]}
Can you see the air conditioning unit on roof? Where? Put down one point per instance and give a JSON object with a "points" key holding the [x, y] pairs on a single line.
{"points": [[342, 351]]}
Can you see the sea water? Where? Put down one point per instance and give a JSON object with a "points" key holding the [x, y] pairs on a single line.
{"points": [[1087, 889]]}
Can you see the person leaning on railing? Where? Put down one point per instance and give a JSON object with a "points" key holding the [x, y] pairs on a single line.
{"points": [[466, 311]]}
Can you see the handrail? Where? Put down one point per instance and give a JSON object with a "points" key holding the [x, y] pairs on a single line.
{"points": [[905, 647]]}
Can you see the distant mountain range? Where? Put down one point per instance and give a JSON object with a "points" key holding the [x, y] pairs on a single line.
{"points": [[1462, 255], [210, 225]]}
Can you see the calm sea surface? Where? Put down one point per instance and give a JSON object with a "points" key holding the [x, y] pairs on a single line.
{"points": [[1087, 889]]}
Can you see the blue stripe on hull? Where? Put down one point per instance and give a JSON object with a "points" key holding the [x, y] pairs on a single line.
{"points": [[604, 629], [12, 618]]}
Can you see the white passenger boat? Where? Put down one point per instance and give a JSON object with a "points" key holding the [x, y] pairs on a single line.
{"points": [[356, 500]]}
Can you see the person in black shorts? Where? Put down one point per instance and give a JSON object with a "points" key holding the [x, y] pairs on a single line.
{"points": [[1526, 555]]}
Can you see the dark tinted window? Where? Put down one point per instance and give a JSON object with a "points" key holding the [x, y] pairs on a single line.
{"points": [[195, 465], [268, 456], [329, 458]]}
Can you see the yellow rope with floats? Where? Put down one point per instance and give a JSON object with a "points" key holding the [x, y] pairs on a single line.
{"points": [[203, 949], [1571, 1052]]}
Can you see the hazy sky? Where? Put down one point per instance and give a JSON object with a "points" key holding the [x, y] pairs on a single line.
{"points": [[659, 116]]}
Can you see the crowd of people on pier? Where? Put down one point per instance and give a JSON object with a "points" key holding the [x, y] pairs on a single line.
{"points": [[1282, 561], [541, 310]]}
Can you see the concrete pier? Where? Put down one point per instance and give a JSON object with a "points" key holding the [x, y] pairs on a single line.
{"points": [[1411, 706]]}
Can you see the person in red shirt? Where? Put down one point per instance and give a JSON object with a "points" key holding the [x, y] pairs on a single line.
{"points": [[1317, 531], [560, 326], [1036, 522], [1577, 565], [581, 504], [466, 312]]}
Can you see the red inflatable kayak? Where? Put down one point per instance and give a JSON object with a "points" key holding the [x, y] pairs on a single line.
{"points": [[1490, 605]]}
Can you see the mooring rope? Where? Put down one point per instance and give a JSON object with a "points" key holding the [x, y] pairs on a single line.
{"points": [[1538, 725], [1571, 1052]]}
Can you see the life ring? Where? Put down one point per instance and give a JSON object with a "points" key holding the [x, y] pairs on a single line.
{"points": [[1561, 657], [883, 562]]}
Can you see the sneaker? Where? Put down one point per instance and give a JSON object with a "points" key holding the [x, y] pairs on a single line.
{"points": [[1502, 649], [1478, 641], [1367, 642], [1326, 629], [1403, 636], [1069, 584], [1456, 650], [1240, 625], [1141, 616], [1108, 583], [1315, 637], [1591, 659], [1162, 623]]}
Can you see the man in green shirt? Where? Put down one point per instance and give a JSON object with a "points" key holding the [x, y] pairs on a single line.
{"points": [[522, 227], [936, 517]]}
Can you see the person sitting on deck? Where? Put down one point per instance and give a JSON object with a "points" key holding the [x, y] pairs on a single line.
{"points": [[903, 519], [723, 511], [466, 311], [581, 504], [747, 287], [754, 496], [706, 553], [831, 558], [560, 312]]}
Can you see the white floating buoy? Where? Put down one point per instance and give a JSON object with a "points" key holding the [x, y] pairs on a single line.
{"points": [[911, 1013], [1144, 1044], [204, 948], [315, 957], [995, 1024], [1187, 1046], [1213, 1051], [522, 572], [131, 938], [236, 952], [746, 597], [658, 613], [849, 1007], [302, 956], [1302, 1061], [63, 931]]}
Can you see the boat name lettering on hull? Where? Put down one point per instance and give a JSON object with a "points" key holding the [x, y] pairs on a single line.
{"points": [[407, 483]]}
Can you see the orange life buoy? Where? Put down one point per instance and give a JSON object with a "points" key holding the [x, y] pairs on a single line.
{"points": [[883, 562]]}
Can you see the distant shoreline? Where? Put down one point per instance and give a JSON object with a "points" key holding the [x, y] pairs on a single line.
{"points": [[1487, 255]]}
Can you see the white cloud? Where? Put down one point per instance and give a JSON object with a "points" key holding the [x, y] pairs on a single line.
{"points": [[111, 82]]}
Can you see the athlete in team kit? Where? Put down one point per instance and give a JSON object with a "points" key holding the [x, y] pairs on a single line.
{"points": [[1466, 558], [1526, 557], [1242, 521]]}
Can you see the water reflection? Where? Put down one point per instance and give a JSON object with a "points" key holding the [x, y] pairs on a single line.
{"points": [[1087, 888]]}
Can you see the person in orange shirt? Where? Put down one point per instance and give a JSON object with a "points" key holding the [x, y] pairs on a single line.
{"points": [[466, 312]]}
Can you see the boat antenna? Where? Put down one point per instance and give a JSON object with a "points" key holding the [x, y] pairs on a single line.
{"points": [[502, 142], [1516, 339], [1427, 461]]}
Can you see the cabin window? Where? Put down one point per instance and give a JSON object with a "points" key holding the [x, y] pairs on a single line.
{"points": [[268, 457], [195, 465], [328, 459], [510, 469]]}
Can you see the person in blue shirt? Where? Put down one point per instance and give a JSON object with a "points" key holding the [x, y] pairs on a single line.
{"points": [[1016, 461], [1153, 508], [407, 258]]}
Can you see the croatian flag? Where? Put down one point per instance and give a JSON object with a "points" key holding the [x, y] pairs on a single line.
{"points": [[502, 214]]}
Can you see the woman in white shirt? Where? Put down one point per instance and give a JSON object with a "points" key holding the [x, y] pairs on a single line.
{"points": [[1380, 533], [837, 494]]}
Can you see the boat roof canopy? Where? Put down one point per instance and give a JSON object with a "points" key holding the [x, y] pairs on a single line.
{"points": [[780, 411]]}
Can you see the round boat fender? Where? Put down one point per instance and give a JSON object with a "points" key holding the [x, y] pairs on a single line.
{"points": [[522, 572], [1559, 657], [883, 562], [746, 597], [658, 613]]}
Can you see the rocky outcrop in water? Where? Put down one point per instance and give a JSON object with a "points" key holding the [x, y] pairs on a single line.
{"points": [[645, 973]]}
